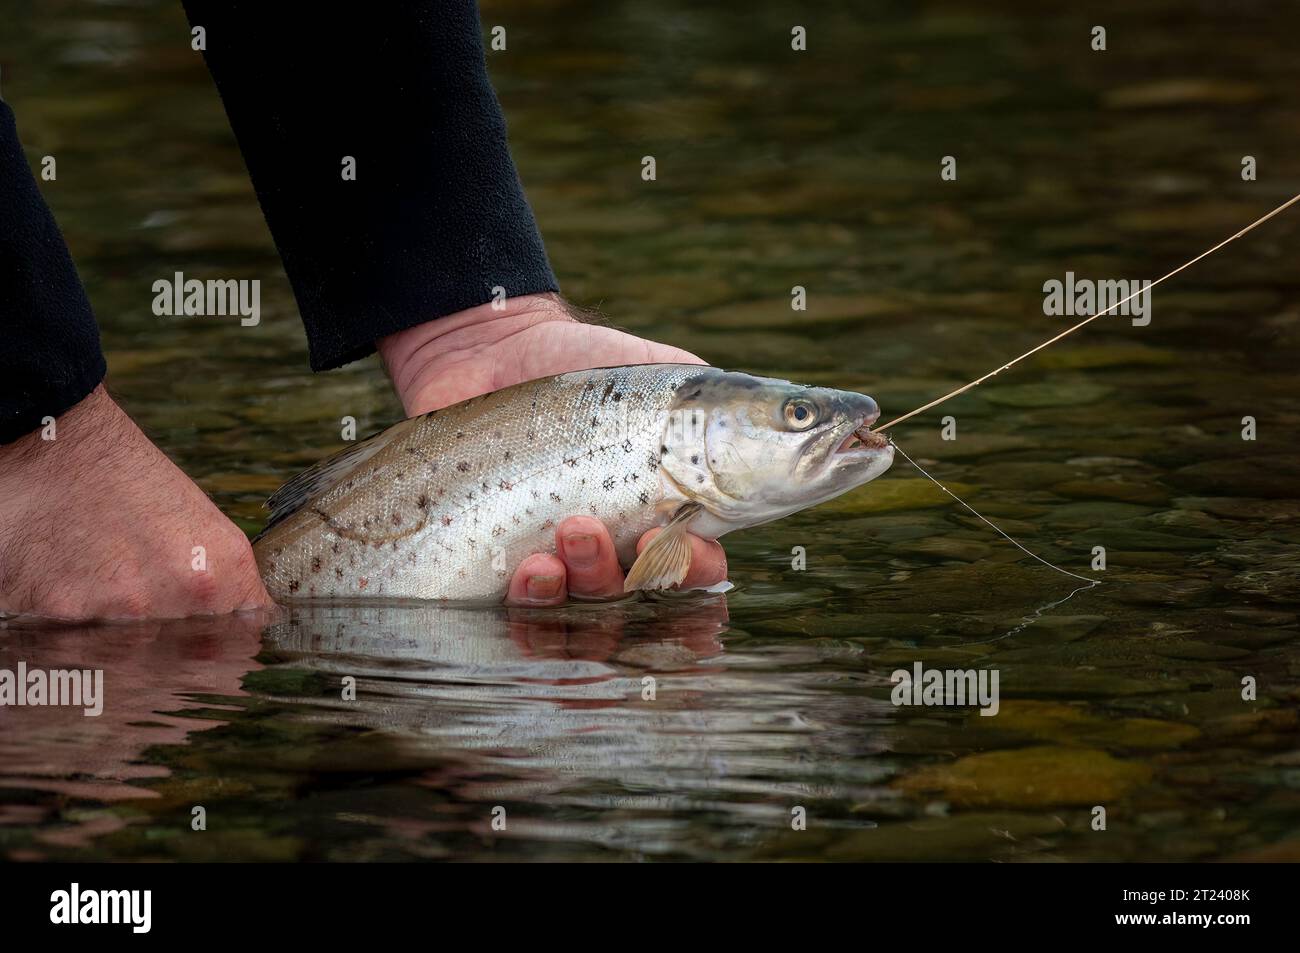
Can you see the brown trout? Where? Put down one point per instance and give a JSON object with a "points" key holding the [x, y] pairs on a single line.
{"points": [[446, 505]]}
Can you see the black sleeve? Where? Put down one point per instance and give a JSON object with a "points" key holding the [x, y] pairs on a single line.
{"points": [[49, 345], [436, 216]]}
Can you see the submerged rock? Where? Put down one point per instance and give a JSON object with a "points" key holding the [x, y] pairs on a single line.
{"points": [[1123, 491], [1074, 725], [941, 547], [1041, 776], [906, 493], [1056, 393]]}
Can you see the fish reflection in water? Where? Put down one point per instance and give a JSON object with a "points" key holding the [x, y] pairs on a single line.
{"points": [[633, 706], [647, 726]]}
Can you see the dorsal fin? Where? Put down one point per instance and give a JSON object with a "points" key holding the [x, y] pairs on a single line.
{"points": [[317, 479]]}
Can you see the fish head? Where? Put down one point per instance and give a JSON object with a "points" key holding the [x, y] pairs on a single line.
{"points": [[753, 449]]}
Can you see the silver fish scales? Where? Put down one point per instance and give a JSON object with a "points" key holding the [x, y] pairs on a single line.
{"points": [[444, 506]]}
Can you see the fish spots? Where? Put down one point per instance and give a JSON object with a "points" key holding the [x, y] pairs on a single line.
{"points": [[608, 483], [446, 521], [397, 519], [509, 454], [695, 458], [422, 501], [294, 585], [627, 446], [549, 524], [315, 564], [555, 498], [643, 496], [338, 572], [498, 530], [362, 582], [335, 548], [463, 466], [505, 485]]}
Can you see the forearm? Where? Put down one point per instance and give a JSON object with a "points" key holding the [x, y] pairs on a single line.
{"points": [[50, 358], [435, 217]]}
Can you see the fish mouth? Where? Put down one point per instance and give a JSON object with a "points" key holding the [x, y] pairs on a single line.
{"points": [[862, 438]]}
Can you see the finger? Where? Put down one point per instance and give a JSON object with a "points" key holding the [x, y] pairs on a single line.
{"points": [[590, 561], [539, 581], [708, 561]]}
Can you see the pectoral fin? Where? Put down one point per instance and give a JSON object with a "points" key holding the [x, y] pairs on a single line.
{"points": [[664, 562]]}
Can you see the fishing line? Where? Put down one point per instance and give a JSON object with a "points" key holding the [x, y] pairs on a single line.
{"points": [[997, 529], [1068, 331], [1028, 620], [1038, 613]]}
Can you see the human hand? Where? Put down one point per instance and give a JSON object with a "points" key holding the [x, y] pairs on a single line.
{"points": [[99, 524], [585, 566], [480, 350]]}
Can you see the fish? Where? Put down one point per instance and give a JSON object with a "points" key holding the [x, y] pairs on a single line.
{"points": [[444, 506]]}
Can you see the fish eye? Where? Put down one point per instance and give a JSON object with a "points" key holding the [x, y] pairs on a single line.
{"points": [[800, 414]]}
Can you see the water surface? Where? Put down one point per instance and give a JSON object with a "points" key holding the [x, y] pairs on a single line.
{"points": [[775, 169]]}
